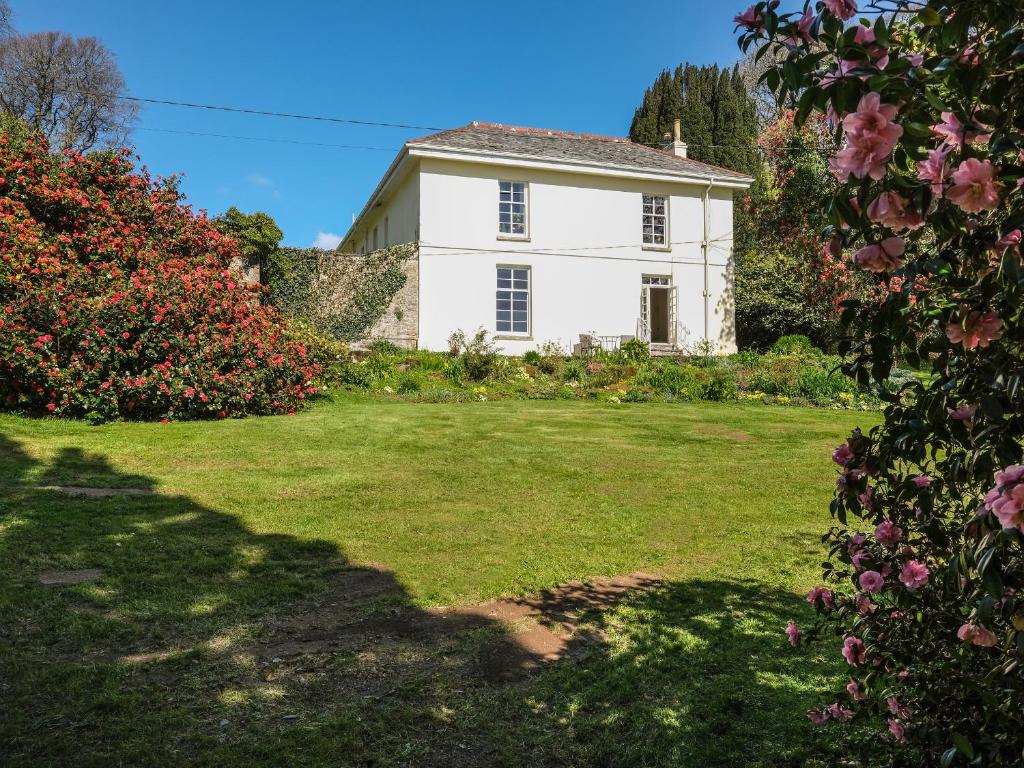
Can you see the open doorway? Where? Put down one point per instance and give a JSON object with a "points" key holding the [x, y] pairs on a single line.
{"points": [[657, 308]]}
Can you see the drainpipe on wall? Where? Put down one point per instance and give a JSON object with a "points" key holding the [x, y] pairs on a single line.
{"points": [[705, 247]]}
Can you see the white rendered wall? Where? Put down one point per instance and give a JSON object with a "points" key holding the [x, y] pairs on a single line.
{"points": [[591, 279], [401, 209]]}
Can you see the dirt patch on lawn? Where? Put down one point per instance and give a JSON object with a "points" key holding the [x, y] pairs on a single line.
{"points": [[527, 632], [63, 578], [95, 493]]}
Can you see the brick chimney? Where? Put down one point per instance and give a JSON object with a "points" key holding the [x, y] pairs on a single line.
{"points": [[672, 141]]}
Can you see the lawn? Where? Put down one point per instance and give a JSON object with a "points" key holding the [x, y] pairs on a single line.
{"points": [[307, 589]]}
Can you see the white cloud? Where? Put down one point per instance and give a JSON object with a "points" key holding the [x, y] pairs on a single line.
{"points": [[259, 180], [327, 240]]}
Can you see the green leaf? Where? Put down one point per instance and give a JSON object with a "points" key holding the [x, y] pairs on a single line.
{"points": [[929, 17], [948, 757], [963, 745]]}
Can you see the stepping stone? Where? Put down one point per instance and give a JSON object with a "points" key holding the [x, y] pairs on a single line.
{"points": [[62, 578]]}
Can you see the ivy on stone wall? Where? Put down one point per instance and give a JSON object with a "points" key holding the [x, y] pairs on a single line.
{"points": [[339, 294]]}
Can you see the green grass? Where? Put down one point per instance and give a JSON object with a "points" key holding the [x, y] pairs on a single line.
{"points": [[253, 522]]}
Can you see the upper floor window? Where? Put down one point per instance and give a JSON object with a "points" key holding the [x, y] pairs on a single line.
{"points": [[375, 238], [512, 208], [655, 220]]}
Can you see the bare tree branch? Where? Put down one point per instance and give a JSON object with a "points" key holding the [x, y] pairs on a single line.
{"points": [[66, 88]]}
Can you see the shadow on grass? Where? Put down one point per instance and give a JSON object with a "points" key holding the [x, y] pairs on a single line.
{"points": [[204, 643]]}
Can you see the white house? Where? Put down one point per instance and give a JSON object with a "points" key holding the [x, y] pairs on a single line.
{"points": [[541, 235]]}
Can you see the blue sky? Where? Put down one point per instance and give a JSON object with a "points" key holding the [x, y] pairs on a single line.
{"points": [[579, 66]]}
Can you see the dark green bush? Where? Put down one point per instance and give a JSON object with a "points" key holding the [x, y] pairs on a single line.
{"points": [[635, 351], [793, 344]]}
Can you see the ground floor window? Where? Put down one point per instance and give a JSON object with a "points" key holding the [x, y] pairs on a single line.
{"points": [[513, 300]]}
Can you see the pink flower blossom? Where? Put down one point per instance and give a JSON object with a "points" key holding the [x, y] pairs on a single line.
{"points": [[842, 9], [823, 596], [1006, 499], [864, 605], [921, 481], [866, 496], [977, 634], [838, 712], [853, 651], [803, 25], [896, 730], [818, 717], [750, 19], [842, 70], [975, 188], [914, 574], [964, 413], [890, 210], [956, 134], [871, 136], [974, 328], [915, 59], [793, 633], [871, 581], [842, 455], [935, 170], [881, 257], [856, 692], [902, 711], [888, 534]]}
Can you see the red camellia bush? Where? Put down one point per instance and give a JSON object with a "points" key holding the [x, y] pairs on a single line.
{"points": [[116, 300]]}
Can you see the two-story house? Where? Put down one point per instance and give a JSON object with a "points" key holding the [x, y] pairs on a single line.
{"points": [[541, 235]]}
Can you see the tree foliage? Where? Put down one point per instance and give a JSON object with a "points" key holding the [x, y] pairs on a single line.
{"points": [[719, 121], [925, 563], [68, 89], [256, 235], [116, 301]]}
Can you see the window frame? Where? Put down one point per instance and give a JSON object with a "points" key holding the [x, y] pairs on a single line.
{"points": [[511, 333], [653, 246], [525, 234]]}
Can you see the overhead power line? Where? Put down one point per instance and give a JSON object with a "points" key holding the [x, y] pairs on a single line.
{"points": [[351, 121]]}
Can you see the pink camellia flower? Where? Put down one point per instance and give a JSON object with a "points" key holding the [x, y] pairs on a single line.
{"points": [[890, 210], [856, 692], [866, 496], [902, 711], [977, 634], [864, 605], [975, 188], [871, 581], [804, 24], [921, 481], [871, 136], [750, 19], [873, 120], [842, 455], [888, 534], [974, 328], [881, 257], [838, 712], [858, 559], [853, 651], [915, 59], [823, 596], [792, 633], [1006, 499], [818, 717], [855, 543], [935, 170], [956, 134], [842, 9], [896, 730], [914, 574]]}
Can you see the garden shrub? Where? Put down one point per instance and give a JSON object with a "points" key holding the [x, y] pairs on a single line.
{"points": [[116, 300], [635, 351], [477, 353], [925, 562], [793, 344]]}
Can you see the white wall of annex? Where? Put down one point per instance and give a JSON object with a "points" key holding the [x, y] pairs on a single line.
{"points": [[401, 208], [584, 251]]}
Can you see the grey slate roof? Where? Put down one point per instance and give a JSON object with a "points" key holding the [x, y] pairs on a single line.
{"points": [[540, 144]]}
